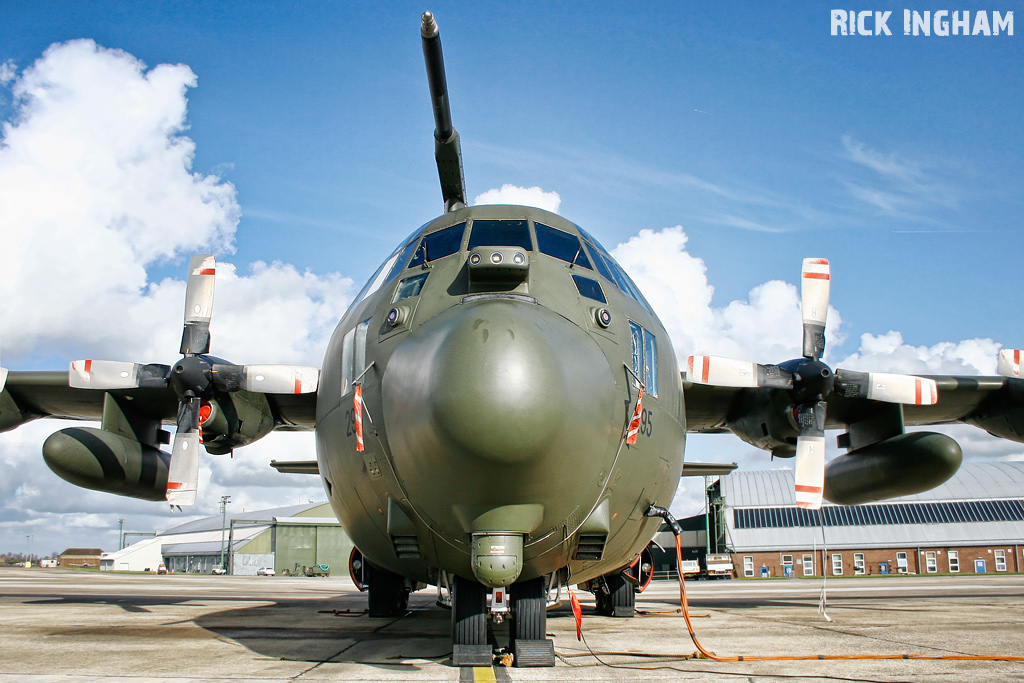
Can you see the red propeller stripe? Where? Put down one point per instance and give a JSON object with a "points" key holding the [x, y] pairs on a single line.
{"points": [[803, 488], [298, 385], [705, 369], [817, 276], [175, 485], [1016, 356]]}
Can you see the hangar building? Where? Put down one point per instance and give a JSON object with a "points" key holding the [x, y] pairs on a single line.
{"points": [[288, 539], [974, 523]]}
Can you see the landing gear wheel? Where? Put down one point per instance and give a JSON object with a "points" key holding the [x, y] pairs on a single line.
{"points": [[529, 610], [528, 629], [388, 593], [469, 613], [620, 600], [469, 624]]}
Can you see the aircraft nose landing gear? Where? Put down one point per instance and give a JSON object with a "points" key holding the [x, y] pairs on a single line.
{"points": [[473, 645]]}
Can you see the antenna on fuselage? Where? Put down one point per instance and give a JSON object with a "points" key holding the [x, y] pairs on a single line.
{"points": [[447, 148]]}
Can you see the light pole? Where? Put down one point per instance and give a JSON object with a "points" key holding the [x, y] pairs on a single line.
{"points": [[120, 533], [224, 500]]}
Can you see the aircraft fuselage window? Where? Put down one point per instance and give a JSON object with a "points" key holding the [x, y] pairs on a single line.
{"points": [[410, 287], [645, 357], [561, 245], [589, 288], [500, 233], [353, 355], [439, 244]]}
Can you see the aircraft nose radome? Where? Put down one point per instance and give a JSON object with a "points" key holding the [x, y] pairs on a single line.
{"points": [[497, 383], [497, 389]]}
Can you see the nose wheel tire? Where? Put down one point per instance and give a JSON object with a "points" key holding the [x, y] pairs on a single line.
{"points": [[529, 610], [469, 613]]}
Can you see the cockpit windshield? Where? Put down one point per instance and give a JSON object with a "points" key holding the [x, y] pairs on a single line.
{"points": [[419, 249]]}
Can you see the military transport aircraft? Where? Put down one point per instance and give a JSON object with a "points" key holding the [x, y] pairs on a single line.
{"points": [[500, 413]]}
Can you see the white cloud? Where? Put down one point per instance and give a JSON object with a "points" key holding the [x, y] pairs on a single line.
{"points": [[96, 187], [766, 327], [522, 196], [8, 72]]}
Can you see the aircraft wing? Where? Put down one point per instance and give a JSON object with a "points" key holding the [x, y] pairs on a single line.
{"points": [[29, 395], [995, 404]]}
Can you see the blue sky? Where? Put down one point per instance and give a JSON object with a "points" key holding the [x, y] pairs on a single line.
{"points": [[673, 114], [765, 138]]}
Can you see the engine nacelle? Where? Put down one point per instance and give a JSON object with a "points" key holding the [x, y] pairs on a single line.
{"points": [[898, 466], [104, 461], [235, 420]]}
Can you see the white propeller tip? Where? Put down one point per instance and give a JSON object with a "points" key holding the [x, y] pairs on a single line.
{"points": [[1009, 362]]}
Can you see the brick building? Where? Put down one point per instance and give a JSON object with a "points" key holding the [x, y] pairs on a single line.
{"points": [[974, 523]]}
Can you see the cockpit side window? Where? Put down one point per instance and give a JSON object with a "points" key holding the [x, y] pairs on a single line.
{"points": [[561, 245], [500, 233], [611, 270], [439, 244]]}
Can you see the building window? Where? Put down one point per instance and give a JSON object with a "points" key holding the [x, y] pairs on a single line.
{"points": [[787, 560], [1000, 560], [954, 561], [858, 563], [837, 564], [931, 565], [748, 565], [901, 563], [808, 565]]}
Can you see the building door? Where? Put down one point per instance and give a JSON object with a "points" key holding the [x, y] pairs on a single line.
{"points": [[901, 563], [858, 563], [837, 564], [931, 565], [808, 565], [954, 561]]}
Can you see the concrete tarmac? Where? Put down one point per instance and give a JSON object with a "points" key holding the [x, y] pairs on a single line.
{"points": [[66, 625]]}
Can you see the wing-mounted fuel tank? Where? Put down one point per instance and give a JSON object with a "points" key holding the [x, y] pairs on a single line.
{"points": [[122, 457], [447, 148]]}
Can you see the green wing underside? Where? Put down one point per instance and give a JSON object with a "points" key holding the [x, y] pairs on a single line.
{"points": [[30, 395], [995, 404]]}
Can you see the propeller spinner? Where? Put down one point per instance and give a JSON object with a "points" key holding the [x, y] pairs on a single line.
{"points": [[194, 379], [810, 382]]}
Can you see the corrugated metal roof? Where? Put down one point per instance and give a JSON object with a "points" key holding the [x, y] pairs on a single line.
{"points": [[211, 523], [974, 481]]}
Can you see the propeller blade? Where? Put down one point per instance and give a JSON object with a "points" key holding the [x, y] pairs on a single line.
{"points": [[3, 378], [810, 455], [183, 472], [730, 372], [722, 372], [195, 338], [814, 295], [1009, 362], [115, 374], [266, 379], [103, 374], [887, 387]]}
